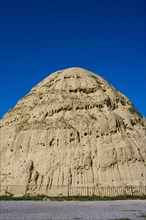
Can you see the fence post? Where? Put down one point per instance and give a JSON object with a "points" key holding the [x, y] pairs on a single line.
{"points": [[87, 190], [132, 190], [68, 190]]}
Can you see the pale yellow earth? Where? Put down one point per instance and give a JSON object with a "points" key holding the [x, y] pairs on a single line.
{"points": [[72, 128]]}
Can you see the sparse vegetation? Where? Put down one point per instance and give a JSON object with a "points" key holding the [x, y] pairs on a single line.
{"points": [[71, 198], [133, 110], [97, 79], [21, 125], [93, 117], [40, 122], [142, 216], [123, 100], [60, 71], [10, 110], [94, 77], [121, 219]]}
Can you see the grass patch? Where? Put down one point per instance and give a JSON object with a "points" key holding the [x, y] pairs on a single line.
{"points": [[71, 198], [10, 110], [27, 197], [142, 216], [93, 117], [133, 110], [121, 219]]}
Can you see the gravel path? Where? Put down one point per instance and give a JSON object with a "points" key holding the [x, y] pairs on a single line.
{"points": [[52, 210]]}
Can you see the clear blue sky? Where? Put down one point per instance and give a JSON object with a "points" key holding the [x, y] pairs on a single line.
{"points": [[41, 36]]}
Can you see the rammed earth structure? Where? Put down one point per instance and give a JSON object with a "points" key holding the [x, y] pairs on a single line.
{"points": [[72, 129]]}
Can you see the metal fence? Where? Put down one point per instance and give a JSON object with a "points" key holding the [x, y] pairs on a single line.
{"points": [[69, 190], [108, 190]]}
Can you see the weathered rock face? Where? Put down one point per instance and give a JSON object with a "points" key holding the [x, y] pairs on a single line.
{"points": [[72, 128]]}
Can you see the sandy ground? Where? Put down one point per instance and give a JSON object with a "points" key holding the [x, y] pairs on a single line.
{"points": [[49, 210]]}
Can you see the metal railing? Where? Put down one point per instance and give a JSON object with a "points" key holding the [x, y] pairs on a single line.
{"points": [[69, 190]]}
